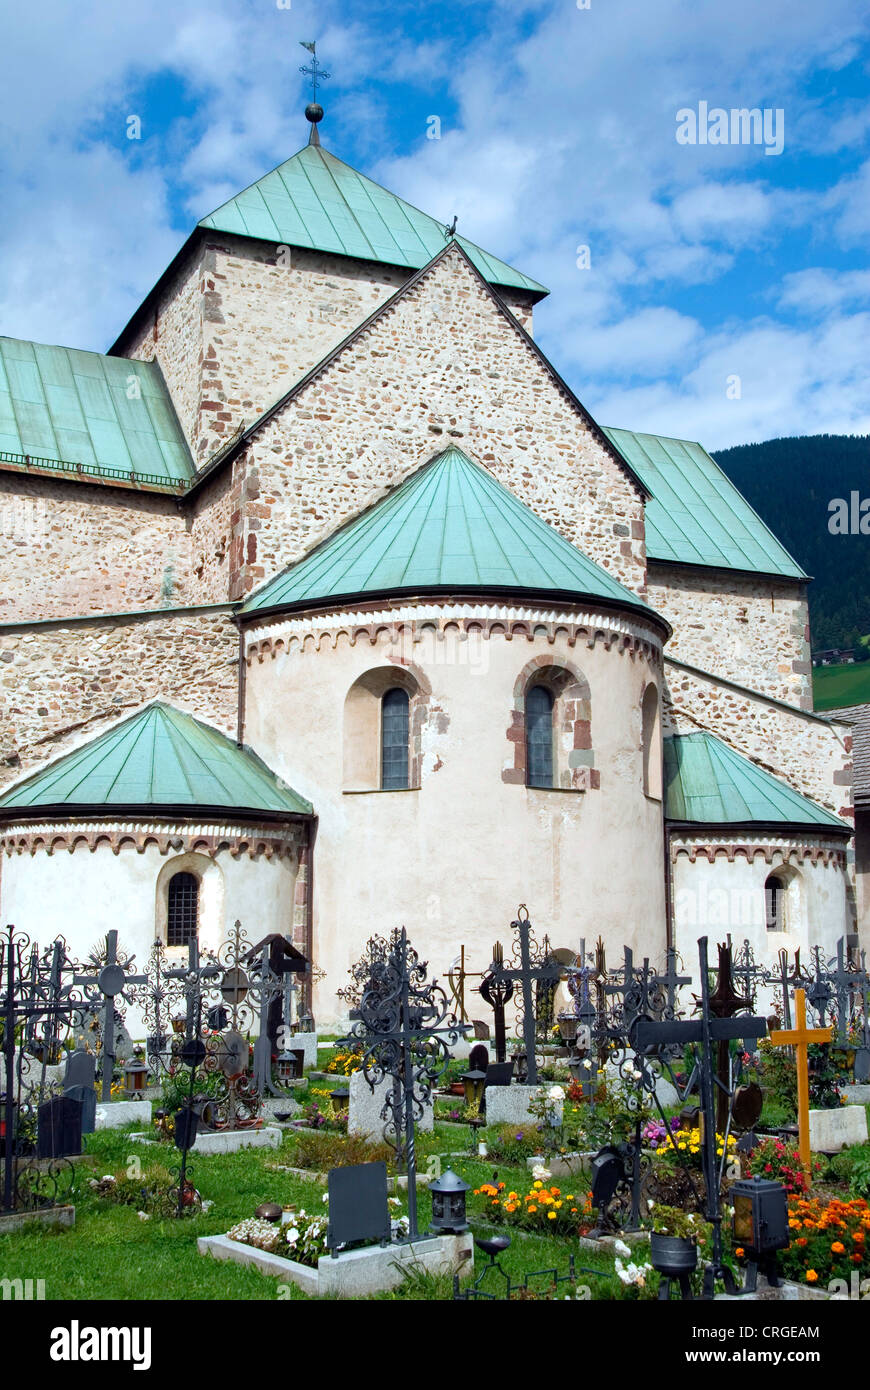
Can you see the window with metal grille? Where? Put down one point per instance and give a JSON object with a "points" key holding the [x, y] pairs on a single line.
{"points": [[181, 919], [774, 901], [394, 740], [539, 737]]}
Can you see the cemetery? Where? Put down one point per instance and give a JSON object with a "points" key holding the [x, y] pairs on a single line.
{"points": [[545, 1126]]}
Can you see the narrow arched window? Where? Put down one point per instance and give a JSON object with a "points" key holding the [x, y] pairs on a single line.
{"points": [[182, 915], [652, 744], [539, 737], [394, 740], [774, 901]]}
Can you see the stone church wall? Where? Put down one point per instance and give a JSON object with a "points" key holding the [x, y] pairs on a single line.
{"points": [[815, 757], [750, 630], [71, 548], [441, 366], [60, 683]]}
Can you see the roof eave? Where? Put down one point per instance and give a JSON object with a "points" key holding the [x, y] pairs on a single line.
{"points": [[729, 570], [356, 599], [90, 811], [767, 827]]}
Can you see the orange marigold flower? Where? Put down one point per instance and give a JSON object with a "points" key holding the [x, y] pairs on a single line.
{"points": [[739, 1252], [812, 1277], [838, 1247], [802, 1240]]}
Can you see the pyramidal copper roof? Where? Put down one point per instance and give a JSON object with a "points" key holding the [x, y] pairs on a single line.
{"points": [[709, 783], [316, 201], [449, 526], [160, 757]]}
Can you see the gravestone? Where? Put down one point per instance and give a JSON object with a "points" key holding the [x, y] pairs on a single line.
{"points": [[833, 1130], [365, 1106], [59, 1128], [478, 1058], [358, 1207], [79, 1083]]}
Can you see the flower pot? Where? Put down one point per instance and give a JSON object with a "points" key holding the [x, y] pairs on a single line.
{"points": [[673, 1255]]}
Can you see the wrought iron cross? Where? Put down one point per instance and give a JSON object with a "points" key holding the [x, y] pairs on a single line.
{"points": [[315, 71], [527, 972], [112, 980]]}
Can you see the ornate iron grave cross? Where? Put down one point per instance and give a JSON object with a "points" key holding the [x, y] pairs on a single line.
{"points": [[819, 991], [746, 971], [113, 977], [275, 963], [846, 982], [531, 966], [710, 1028], [405, 1032], [497, 991]]}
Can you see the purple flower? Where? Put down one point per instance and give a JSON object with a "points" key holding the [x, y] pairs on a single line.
{"points": [[519, 1135]]}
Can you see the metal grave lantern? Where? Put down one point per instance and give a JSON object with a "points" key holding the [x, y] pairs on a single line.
{"points": [[448, 1203], [341, 1099], [760, 1226], [474, 1083], [135, 1073], [289, 1065]]}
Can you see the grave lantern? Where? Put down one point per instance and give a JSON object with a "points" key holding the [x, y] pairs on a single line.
{"points": [[448, 1203], [568, 1024], [306, 1022], [341, 1099], [287, 1066], [135, 1074], [521, 1066], [760, 1225], [474, 1083]]}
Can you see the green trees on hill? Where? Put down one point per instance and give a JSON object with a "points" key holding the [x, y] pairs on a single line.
{"points": [[790, 483]]}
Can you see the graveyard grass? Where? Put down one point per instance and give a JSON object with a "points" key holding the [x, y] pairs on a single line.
{"points": [[112, 1254]]}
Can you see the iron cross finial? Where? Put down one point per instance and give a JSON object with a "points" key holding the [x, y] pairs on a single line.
{"points": [[314, 71]]}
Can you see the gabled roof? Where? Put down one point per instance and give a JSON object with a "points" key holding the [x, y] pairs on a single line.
{"points": [[696, 516], [158, 758], [71, 411], [316, 201], [449, 526], [708, 783]]}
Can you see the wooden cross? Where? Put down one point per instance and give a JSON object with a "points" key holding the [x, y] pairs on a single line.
{"points": [[800, 1038]]}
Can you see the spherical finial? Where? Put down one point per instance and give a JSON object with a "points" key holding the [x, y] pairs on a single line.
{"points": [[314, 112]]}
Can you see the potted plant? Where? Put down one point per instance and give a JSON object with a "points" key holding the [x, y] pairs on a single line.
{"points": [[674, 1240]]}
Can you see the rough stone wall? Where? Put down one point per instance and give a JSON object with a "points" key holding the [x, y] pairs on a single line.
{"points": [[214, 519], [171, 330], [815, 757], [73, 548], [63, 682], [442, 365], [753, 631]]}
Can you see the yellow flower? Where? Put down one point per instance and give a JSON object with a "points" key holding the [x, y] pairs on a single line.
{"points": [[551, 1216], [537, 1184]]}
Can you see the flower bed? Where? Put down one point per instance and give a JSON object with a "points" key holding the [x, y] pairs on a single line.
{"points": [[781, 1162], [302, 1240], [542, 1208], [829, 1240]]}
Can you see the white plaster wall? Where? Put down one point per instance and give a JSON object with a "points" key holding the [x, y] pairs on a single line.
{"points": [[453, 859], [82, 895], [715, 899]]}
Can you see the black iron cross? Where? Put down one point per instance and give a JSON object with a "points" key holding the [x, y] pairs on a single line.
{"points": [[497, 991], [845, 981], [527, 972], [112, 980], [706, 1030]]}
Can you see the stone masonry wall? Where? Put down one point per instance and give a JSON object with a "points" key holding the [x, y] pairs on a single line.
{"points": [[815, 757], [752, 631], [442, 365], [242, 320], [72, 548], [64, 682]]}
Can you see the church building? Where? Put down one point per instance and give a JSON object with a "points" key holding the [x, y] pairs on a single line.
{"points": [[329, 607]]}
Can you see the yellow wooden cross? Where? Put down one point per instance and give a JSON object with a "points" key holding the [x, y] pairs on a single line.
{"points": [[799, 1038]]}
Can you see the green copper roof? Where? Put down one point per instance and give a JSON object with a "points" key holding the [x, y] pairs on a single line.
{"points": [[696, 515], [74, 411], [316, 201], [709, 784], [159, 757], [450, 525]]}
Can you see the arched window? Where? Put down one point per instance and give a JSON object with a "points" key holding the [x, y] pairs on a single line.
{"points": [[539, 737], [182, 914], [774, 902], [652, 744], [394, 740]]}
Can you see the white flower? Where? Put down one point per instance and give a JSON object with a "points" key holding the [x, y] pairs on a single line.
{"points": [[325, 1197], [207, 1205], [394, 1201], [107, 1177], [540, 1173], [587, 1064], [143, 1216], [556, 1093], [638, 1075], [292, 1235], [650, 1204], [621, 1248]]}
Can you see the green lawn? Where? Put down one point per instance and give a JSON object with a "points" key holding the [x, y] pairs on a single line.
{"points": [[112, 1254], [834, 686]]}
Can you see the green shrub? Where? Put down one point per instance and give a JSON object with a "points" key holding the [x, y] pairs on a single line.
{"points": [[512, 1144], [325, 1150]]}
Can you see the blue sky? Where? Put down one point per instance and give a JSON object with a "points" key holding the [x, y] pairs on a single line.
{"points": [[708, 263]]}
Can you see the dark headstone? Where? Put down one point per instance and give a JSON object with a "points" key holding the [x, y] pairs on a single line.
{"points": [[59, 1128], [481, 1029], [689, 1117], [748, 1105], [81, 1069], [478, 1058], [499, 1073], [748, 1142], [358, 1205], [217, 1018], [87, 1098], [862, 1065], [186, 1127]]}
